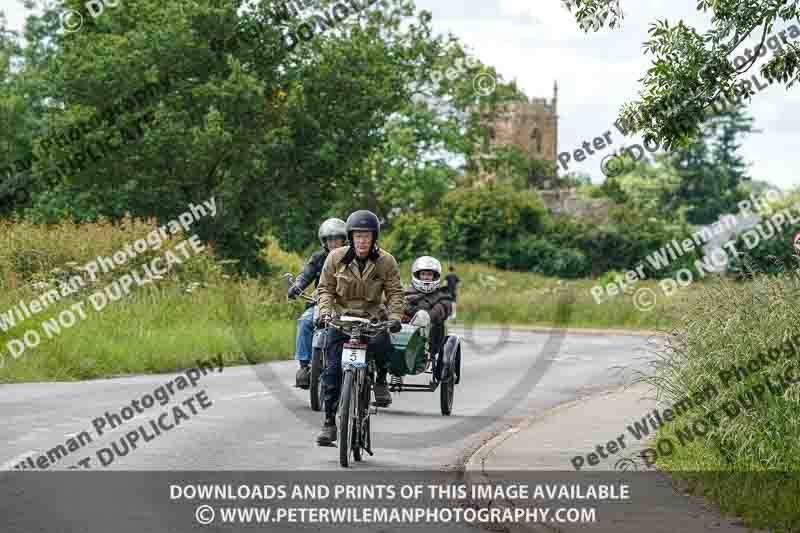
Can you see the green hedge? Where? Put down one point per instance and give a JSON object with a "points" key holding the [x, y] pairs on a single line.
{"points": [[512, 229], [769, 256]]}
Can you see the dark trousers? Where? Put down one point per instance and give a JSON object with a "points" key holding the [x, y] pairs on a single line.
{"points": [[378, 348]]}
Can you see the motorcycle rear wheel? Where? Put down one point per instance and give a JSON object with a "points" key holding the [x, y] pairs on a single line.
{"points": [[316, 380]]}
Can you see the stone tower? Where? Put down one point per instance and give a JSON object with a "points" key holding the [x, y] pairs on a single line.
{"points": [[532, 126]]}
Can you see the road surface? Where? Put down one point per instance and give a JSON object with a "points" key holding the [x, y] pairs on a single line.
{"points": [[258, 421]]}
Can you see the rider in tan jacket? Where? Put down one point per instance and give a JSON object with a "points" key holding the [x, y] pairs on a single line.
{"points": [[353, 281], [343, 286]]}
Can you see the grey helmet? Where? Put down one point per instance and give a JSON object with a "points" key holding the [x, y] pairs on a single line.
{"points": [[426, 262], [333, 227]]}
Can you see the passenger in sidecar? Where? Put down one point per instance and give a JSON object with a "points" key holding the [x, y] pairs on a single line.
{"points": [[425, 295], [426, 310]]}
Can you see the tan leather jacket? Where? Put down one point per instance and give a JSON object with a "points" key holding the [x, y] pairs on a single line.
{"points": [[342, 287]]}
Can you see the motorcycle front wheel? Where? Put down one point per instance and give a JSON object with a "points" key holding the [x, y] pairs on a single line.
{"points": [[347, 415]]}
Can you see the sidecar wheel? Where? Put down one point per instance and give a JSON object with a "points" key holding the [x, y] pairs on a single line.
{"points": [[446, 393]]}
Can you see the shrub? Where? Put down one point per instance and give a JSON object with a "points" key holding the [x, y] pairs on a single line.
{"points": [[750, 327], [769, 256], [413, 235], [484, 220], [618, 246], [277, 259], [536, 254]]}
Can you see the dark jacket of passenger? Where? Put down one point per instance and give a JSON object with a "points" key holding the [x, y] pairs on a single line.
{"points": [[438, 304], [312, 271]]}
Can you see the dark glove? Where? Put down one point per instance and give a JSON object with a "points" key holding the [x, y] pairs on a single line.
{"points": [[395, 326], [323, 320], [294, 292]]}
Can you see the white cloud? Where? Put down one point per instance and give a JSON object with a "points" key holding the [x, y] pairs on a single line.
{"points": [[552, 20], [15, 13]]}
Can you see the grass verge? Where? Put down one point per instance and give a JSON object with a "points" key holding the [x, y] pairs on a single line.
{"points": [[746, 459], [198, 310], [164, 326]]}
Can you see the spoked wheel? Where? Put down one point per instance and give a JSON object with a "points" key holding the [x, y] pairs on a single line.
{"points": [[316, 380], [446, 392], [347, 416], [366, 438], [362, 436], [356, 441]]}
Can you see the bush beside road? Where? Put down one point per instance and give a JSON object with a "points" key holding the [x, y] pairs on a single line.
{"points": [[191, 313], [199, 310], [728, 326]]}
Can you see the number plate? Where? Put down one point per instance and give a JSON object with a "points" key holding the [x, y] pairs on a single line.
{"points": [[354, 354]]}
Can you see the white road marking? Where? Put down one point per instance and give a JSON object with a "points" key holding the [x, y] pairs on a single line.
{"points": [[249, 395]]}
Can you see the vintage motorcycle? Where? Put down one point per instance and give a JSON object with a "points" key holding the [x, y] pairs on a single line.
{"points": [[355, 398], [412, 355]]}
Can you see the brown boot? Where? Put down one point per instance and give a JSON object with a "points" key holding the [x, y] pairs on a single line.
{"points": [[327, 436], [382, 396]]}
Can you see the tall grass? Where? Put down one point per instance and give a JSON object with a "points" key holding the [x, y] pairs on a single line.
{"points": [[488, 295], [194, 311], [728, 325], [203, 308]]}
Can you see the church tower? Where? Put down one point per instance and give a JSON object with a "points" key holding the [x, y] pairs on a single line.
{"points": [[530, 125]]}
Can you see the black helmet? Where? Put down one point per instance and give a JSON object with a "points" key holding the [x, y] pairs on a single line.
{"points": [[363, 220]]}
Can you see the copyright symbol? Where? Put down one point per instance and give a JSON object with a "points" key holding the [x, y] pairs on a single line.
{"points": [[204, 514], [71, 20], [611, 166], [484, 84], [644, 299], [626, 463]]}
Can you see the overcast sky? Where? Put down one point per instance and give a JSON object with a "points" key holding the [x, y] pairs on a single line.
{"points": [[537, 42]]}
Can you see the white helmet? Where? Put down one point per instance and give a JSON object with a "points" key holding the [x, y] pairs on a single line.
{"points": [[426, 262], [333, 227]]}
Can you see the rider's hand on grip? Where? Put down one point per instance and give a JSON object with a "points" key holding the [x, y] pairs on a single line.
{"points": [[323, 321], [294, 292], [395, 326]]}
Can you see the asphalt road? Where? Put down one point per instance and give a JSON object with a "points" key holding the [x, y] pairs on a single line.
{"points": [[256, 420]]}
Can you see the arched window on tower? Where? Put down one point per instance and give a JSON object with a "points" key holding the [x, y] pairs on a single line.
{"points": [[536, 137]]}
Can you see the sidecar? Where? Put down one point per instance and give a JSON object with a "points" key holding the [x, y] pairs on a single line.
{"points": [[412, 355]]}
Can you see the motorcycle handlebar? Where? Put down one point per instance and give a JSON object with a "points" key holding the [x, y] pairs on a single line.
{"points": [[371, 329], [289, 279]]}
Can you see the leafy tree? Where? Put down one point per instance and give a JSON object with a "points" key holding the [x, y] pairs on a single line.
{"points": [[483, 221], [265, 130], [413, 235], [710, 170], [18, 118], [690, 70]]}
